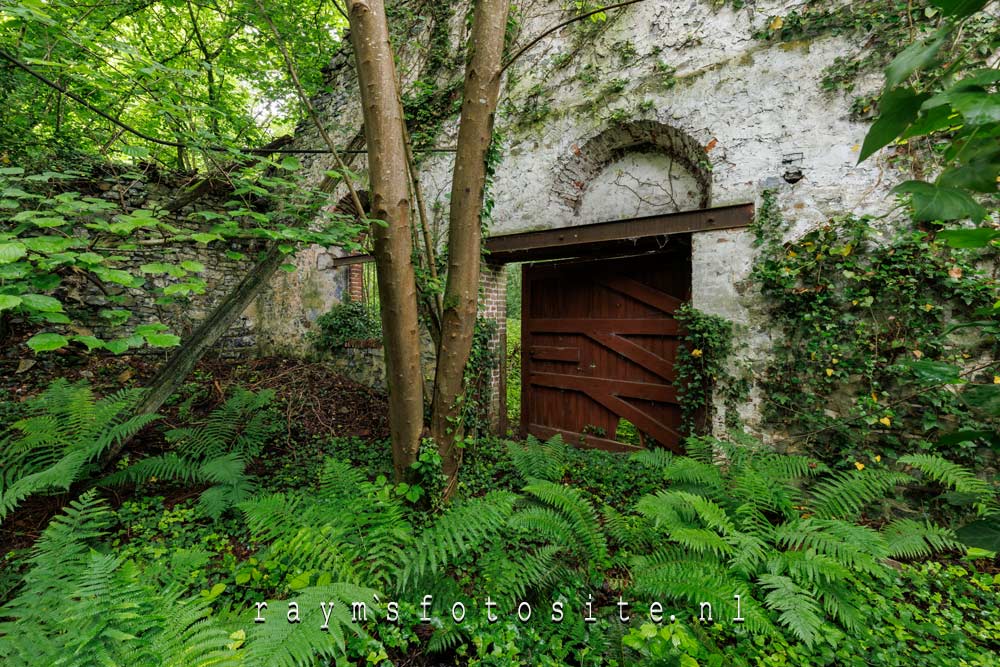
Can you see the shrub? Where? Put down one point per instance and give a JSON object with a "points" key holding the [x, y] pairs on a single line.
{"points": [[348, 321]]}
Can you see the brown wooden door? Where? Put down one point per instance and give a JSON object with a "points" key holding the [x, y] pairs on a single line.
{"points": [[598, 343]]}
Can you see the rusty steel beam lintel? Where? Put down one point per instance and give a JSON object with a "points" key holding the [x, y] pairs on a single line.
{"points": [[566, 242]]}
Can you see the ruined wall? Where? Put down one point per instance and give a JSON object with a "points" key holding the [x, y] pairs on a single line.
{"points": [[667, 106]]}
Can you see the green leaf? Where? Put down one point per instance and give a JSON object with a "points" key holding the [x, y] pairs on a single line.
{"points": [[915, 56], [92, 342], [163, 340], [116, 347], [977, 107], [983, 397], [54, 318], [968, 238], [982, 534], [287, 268], [960, 8], [897, 109], [151, 328], [300, 581], [935, 372], [41, 303], [206, 238], [46, 342], [192, 266], [933, 202], [8, 301], [291, 163], [11, 171], [11, 252]]}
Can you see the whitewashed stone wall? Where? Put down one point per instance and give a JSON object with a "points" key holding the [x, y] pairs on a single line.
{"points": [[671, 105]]}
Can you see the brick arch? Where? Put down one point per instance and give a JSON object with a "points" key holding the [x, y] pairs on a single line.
{"points": [[587, 161]]}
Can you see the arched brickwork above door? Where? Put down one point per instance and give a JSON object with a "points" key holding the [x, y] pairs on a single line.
{"points": [[591, 157]]}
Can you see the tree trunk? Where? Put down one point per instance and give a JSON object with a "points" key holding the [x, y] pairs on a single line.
{"points": [[390, 203], [481, 91]]}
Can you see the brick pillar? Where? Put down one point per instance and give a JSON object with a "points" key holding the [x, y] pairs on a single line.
{"points": [[493, 306], [355, 282]]}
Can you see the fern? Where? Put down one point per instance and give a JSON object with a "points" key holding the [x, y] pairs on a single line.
{"points": [[845, 494], [796, 608], [66, 431], [455, 532], [911, 539], [538, 460], [80, 607], [955, 477], [578, 513], [215, 453]]}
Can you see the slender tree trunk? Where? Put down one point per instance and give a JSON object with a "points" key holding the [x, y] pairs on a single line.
{"points": [[481, 91], [387, 169]]}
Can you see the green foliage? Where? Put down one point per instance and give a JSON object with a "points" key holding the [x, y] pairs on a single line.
{"points": [[700, 363], [780, 531], [347, 321], [61, 440], [862, 314], [116, 616], [215, 453]]}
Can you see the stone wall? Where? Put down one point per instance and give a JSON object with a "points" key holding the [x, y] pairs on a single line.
{"points": [[668, 106], [222, 270]]}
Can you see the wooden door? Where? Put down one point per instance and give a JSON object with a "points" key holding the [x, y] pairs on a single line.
{"points": [[598, 345]]}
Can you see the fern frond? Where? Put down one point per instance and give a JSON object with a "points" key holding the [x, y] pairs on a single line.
{"points": [[458, 530], [857, 547], [797, 608], [911, 539], [537, 460], [953, 476], [845, 494], [577, 510]]}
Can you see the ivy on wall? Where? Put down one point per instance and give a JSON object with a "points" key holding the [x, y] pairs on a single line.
{"points": [[863, 319]]}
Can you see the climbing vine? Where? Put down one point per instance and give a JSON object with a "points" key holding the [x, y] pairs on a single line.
{"points": [[863, 316], [700, 365]]}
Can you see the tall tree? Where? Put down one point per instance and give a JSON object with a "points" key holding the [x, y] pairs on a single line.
{"points": [[479, 102], [390, 203]]}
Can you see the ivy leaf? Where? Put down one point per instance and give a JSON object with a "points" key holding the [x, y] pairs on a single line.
{"points": [[46, 342], [915, 56], [206, 238], [968, 238], [933, 202], [898, 108], [291, 164], [92, 342], [116, 347], [192, 266], [960, 8]]}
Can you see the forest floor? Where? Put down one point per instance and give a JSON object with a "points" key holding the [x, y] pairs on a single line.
{"points": [[316, 404]]}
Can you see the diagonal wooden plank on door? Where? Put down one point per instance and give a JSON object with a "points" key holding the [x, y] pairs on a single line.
{"points": [[635, 353], [646, 391], [652, 326], [643, 421], [641, 292]]}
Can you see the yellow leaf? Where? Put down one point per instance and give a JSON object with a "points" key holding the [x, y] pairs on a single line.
{"points": [[859, 465], [874, 397], [996, 379], [829, 372], [928, 307], [878, 458], [776, 23], [696, 353], [885, 421], [856, 147]]}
